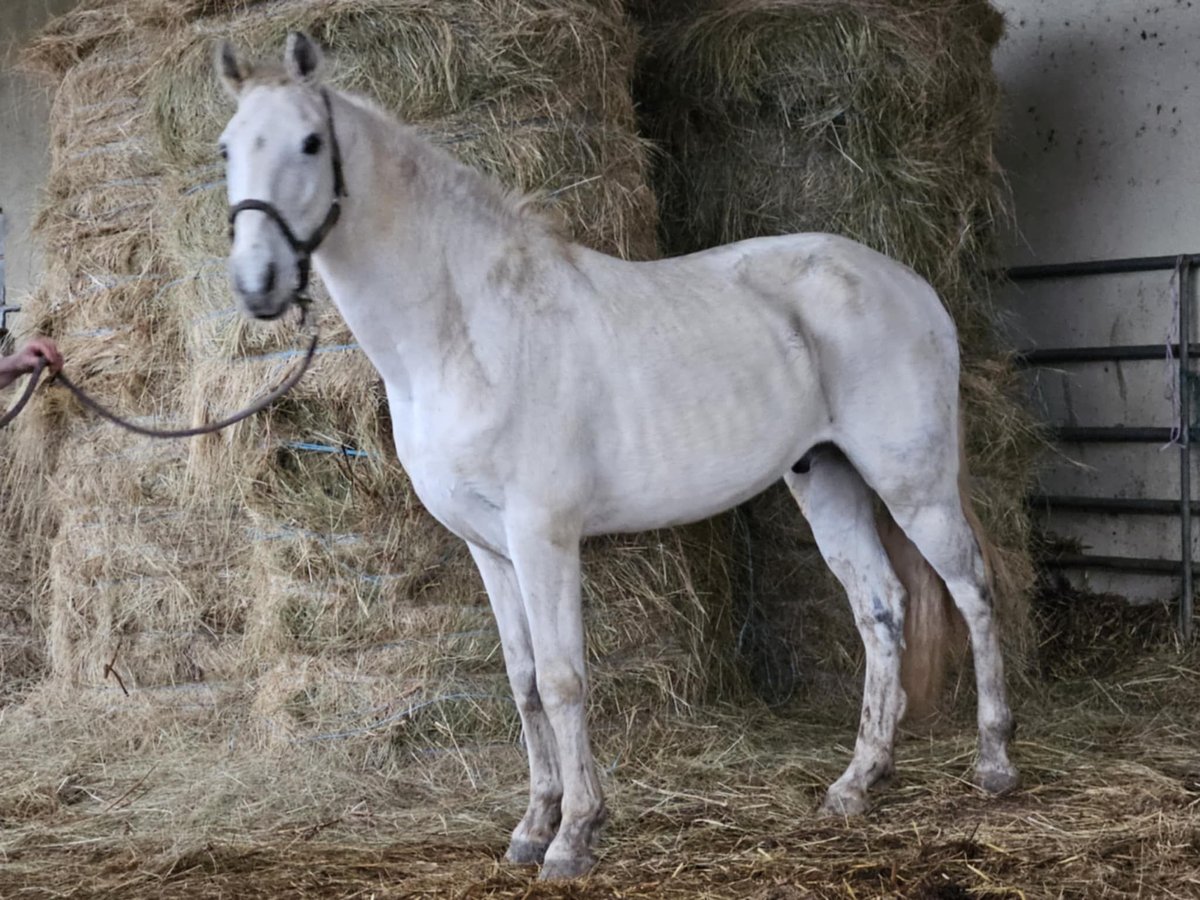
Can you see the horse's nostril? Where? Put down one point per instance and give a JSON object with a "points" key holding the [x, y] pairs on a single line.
{"points": [[269, 281]]}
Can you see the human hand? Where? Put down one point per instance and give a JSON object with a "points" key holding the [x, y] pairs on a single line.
{"points": [[26, 360]]}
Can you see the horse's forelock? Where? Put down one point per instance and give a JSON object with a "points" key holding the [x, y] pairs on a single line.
{"points": [[267, 74]]}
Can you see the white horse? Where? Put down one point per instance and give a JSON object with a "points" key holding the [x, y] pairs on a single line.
{"points": [[542, 392]]}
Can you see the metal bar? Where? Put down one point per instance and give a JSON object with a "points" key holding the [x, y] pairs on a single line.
{"points": [[1117, 434], [1137, 565], [1102, 267], [1114, 505], [1183, 297], [1055, 355], [311, 447], [1181, 265], [5, 312]]}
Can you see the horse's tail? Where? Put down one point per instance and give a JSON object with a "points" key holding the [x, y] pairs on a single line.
{"points": [[934, 630]]}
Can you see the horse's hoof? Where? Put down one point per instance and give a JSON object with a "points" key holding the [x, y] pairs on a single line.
{"points": [[845, 803], [566, 868], [525, 853], [997, 781]]}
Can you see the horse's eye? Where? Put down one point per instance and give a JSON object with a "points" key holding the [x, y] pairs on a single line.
{"points": [[224, 151], [312, 144]]}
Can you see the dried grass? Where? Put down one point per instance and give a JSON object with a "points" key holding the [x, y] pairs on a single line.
{"points": [[220, 801], [240, 555], [22, 654], [273, 675], [102, 300]]}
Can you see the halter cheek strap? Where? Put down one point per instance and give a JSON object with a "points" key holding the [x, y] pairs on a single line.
{"points": [[306, 248]]}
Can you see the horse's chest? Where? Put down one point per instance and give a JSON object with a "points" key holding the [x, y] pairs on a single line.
{"points": [[452, 477], [465, 507]]}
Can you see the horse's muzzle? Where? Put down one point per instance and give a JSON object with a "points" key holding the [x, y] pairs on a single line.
{"points": [[266, 301], [264, 306], [268, 315]]}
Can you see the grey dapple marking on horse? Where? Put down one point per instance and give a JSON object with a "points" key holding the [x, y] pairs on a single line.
{"points": [[542, 392]]}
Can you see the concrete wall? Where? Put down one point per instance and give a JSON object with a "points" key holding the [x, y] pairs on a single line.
{"points": [[24, 140], [1102, 147]]}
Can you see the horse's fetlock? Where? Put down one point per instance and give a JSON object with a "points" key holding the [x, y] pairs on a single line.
{"points": [[1003, 729], [587, 813]]}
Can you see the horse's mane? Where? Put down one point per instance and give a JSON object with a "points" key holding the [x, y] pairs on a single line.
{"points": [[447, 175]]}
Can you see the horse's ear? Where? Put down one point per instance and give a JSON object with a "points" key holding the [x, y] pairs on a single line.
{"points": [[232, 71], [302, 57]]}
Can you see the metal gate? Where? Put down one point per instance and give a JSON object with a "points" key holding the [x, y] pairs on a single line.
{"points": [[1180, 432]]}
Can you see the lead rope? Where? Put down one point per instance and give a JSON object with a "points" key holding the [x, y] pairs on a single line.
{"points": [[91, 403], [303, 251]]}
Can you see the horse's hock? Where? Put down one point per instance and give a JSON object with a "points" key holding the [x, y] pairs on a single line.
{"points": [[290, 552]]}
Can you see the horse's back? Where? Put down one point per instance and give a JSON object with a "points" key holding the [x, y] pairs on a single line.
{"points": [[819, 305], [833, 281], [885, 349], [714, 372]]}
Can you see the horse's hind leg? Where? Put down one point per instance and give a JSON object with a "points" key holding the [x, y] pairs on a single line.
{"points": [[933, 518], [838, 506], [537, 828]]}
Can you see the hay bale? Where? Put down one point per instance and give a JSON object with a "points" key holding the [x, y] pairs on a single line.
{"points": [[141, 570], [22, 652], [27, 523], [115, 578], [316, 578], [869, 118]]}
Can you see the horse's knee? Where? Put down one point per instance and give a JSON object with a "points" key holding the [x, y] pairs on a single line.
{"points": [[560, 685]]}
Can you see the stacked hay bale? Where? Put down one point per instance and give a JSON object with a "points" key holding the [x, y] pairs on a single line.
{"points": [[22, 654], [135, 582], [289, 554], [869, 118]]}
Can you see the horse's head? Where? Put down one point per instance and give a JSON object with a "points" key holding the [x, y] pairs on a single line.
{"points": [[283, 171]]}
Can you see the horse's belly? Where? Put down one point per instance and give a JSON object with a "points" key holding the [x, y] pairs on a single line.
{"points": [[687, 469], [682, 504]]}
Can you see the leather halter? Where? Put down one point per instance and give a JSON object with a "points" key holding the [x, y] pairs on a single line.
{"points": [[305, 249]]}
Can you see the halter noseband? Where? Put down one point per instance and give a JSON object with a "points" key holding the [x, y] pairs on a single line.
{"points": [[305, 249]]}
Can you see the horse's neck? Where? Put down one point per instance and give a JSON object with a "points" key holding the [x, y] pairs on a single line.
{"points": [[407, 262]]}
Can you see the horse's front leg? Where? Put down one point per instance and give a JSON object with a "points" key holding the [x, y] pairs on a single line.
{"points": [[537, 828], [545, 553]]}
